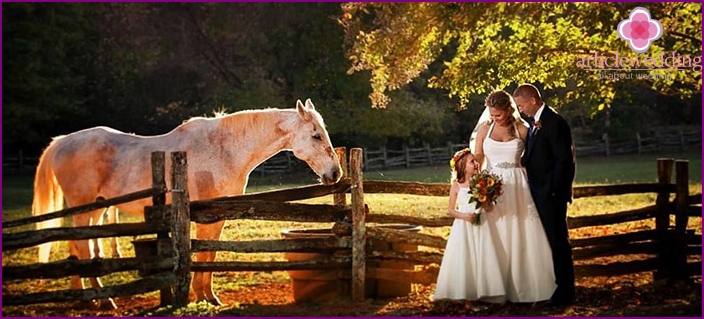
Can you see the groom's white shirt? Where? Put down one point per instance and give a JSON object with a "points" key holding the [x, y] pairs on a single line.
{"points": [[539, 112], [536, 118]]}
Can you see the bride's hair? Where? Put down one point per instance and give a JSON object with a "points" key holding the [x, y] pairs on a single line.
{"points": [[503, 101]]}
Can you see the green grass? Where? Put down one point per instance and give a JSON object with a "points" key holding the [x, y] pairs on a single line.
{"points": [[633, 168], [590, 170]]}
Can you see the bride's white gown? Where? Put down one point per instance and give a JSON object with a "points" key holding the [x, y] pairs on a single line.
{"points": [[507, 256]]}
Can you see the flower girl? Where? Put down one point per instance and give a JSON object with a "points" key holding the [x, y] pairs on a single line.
{"points": [[470, 268]]}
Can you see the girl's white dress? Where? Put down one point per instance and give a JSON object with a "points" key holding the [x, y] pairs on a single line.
{"points": [[507, 256], [470, 266]]}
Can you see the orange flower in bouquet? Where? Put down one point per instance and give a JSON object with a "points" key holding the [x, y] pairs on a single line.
{"points": [[484, 188]]}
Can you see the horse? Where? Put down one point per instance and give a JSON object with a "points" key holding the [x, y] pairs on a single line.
{"points": [[101, 162]]}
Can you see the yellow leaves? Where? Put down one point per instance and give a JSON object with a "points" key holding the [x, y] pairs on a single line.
{"points": [[497, 45]]}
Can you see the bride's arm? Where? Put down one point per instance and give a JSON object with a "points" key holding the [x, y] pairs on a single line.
{"points": [[479, 151]]}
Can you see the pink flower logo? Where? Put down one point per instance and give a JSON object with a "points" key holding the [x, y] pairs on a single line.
{"points": [[639, 30]]}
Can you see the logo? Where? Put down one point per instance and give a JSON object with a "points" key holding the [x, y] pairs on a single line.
{"points": [[639, 30]]}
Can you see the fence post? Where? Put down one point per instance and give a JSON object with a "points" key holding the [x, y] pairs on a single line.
{"points": [[638, 140], [682, 183], [662, 219], [166, 295], [181, 226], [359, 231], [341, 198], [386, 156], [605, 137], [159, 177], [408, 155], [343, 288], [428, 153], [681, 218]]}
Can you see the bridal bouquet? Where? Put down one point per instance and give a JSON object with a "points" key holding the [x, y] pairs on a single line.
{"points": [[484, 188]]}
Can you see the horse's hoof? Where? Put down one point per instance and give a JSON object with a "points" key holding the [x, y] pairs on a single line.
{"points": [[215, 302], [107, 304]]}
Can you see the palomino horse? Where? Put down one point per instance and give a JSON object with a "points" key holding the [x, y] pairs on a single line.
{"points": [[101, 162]]}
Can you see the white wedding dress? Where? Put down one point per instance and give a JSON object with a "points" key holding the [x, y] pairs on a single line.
{"points": [[507, 256]]}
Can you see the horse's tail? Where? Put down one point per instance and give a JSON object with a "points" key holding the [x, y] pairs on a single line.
{"points": [[48, 197]]}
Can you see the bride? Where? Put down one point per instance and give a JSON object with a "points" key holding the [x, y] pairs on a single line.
{"points": [[518, 244]]}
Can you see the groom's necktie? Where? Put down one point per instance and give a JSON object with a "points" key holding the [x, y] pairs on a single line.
{"points": [[530, 129]]}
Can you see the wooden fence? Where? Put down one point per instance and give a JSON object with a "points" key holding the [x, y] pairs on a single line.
{"points": [[160, 267], [641, 143], [668, 247]]}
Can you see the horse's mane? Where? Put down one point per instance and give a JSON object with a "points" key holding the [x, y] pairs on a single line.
{"points": [[247, 120], [222, 114], [251, 119]]}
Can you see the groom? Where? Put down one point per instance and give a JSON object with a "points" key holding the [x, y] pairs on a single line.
{"points": [[550, 163]]}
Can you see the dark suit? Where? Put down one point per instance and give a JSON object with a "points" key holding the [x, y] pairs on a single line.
{"points": [[549, 161]]}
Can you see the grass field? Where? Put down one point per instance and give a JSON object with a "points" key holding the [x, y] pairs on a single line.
{"points": [[17, 196]]}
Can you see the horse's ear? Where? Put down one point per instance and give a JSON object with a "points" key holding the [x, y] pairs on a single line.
{"points": [[302, 110], [309, 104]]}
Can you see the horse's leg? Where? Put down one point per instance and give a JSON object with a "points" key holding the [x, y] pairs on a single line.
{"points": [[203, 282], [114, 218], [74, 253], [81, 249], [111, 217], [97, 244], [97, 249]]}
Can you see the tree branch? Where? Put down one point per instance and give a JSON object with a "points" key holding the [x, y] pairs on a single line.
{"points": [[686, 36]]}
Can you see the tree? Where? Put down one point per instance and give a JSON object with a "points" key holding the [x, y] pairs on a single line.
{"points": [[483, 46], [146, 67], [48, 70]]}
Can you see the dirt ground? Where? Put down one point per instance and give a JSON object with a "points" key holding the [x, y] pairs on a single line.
{"points": [[630, 295]]}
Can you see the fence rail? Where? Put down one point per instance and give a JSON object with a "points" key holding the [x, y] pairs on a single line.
{"points": [[17, 240]]}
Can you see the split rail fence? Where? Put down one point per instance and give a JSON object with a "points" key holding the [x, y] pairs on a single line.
{"points": [[671, 249]]}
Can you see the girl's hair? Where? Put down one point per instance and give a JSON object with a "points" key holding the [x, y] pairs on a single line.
{"points": [[458, 165], [503, 101]]}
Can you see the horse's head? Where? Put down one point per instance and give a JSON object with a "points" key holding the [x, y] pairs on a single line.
{"points": [[310, 143]]}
